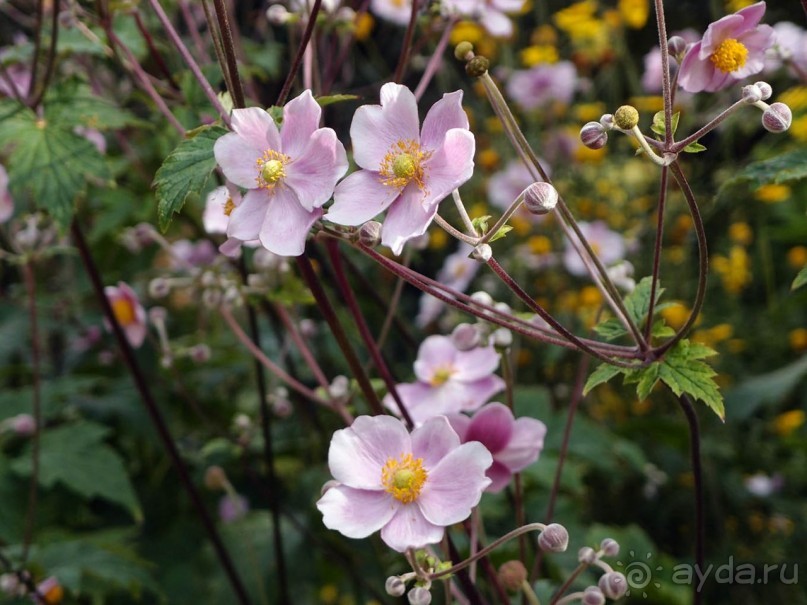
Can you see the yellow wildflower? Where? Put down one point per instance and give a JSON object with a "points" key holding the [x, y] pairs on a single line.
{"points": [[537, 54], [797, 257], [787, 423], [488, 159], [740, 233], [798, 339], [772, 193], [734, 270], [634, 13], [539, 244], [675, 315], [363, 26], [794, 97], [798, 128]]}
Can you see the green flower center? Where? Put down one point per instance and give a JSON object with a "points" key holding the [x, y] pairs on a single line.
{"points": [[271, 168]]}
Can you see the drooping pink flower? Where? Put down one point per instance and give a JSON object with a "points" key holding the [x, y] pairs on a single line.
{"points": [[543, 84], [408, 486], [608, 245], [405, 169], [732, 48], [289, 174], [448, 380], [128, 311], [6, 201], [514, 443], [489, 13]]}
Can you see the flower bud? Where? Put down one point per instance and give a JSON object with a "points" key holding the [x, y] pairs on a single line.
{"points": [[677, 47], [465, 337], [777, 118], [157, 315], [626, 117], [200, 353], [394, 586], [9, 583], [607, 121], [370, 234], [593, 135], [476, 67], [554, 538], [586, 555], [23, 425], [340, 386], [593, 596], [482, 297], [277, 14], [751, 94], [609, 547], [540, 198], [482, 253], [512, 575], [613, 584], [419, 595], [215, 478], [502, 338], [765, 89], [159, 287], [463, 50]]}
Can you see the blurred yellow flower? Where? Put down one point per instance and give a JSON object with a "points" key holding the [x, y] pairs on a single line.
{"points": [[798, 128], [437, 239], [787, 423], [734, 269], [740, 233], [772, 193], [634, 13], [539, 244], [797, 257], [794, 97], [537, 54], [675, 315], [589, 112], [732, 6], [488, 159], [467, 31], [648, 103], [363, 26], [328, 594], [590, 296], [798, 339]]}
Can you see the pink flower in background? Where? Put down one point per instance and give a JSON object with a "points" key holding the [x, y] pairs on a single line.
{"points": [[128, 312], [457, 272], [6, 201], [608, 245], [514, 444], [543, 84], [185, 253], [790, 47], [652, 77], [232, 507], [289, 174], [489, 13], [396, 11], [448, 380], [732, 48], [408, 486], [404, 169]]}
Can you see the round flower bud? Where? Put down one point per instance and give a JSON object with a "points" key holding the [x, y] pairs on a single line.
{"points": [[777, 118], [23, 425], [462, 50], [482, 253], [626, 117], [482, 298], [502, 338], [477, 66], [340, 386], [277, 14], [159, 287], [9, 583], [370, 234], [587, 555], [215, 478], [593, 135], [540, 198], [607, 121], [465, 337], [613, 584], [157, 315], [609, 547], [593, 596], [419, 595], [678, 47], [394, 586], [200, 353], [512, 575], [554, 538], [765, 89], [752, 94]]}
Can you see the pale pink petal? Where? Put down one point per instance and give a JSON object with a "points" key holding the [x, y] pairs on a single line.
{"points": [[525, 445], [314, 173], [358, 453], [237, 159], [508, 6], [695, 73], [231, 247], [424, 401], [410, 529], [499, 476], [300, 119], [247, 218], [435, 352], [460, 424], [433, 440], [449, 167], [355, 513], [497, 23], [476, 363], [407, 218], [472, 395], [751, 15], [375, 129], [360, 197], [6, 202], [135, 333], [256, 128], [213, 218], [492, 426], [444, 115], [455, 485], [725, 27], [286, 224], [757, 42]]}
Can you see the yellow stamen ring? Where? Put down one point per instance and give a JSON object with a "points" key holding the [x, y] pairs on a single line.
{"points": [[404, 477], [403, 164], [729, 56], [271, 168]]}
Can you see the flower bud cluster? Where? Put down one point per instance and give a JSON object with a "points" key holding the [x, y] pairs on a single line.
{"points": [[776, 117], [612, 584]]}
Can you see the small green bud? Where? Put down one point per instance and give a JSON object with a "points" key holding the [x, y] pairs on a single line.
{"points": [[626, 117], [476, 67], [462, 49]]}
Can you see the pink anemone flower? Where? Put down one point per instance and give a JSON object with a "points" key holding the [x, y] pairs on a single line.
{"points": [[289, 174], [514, 443], [449, 381], [732, 48], [405, 169], [128, 311], [408, 486]]}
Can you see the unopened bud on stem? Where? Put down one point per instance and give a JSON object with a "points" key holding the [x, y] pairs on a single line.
{"points": [[554, 538], [777, 118], [593, 135], [626, 117], [477, 66], [540, 198]]}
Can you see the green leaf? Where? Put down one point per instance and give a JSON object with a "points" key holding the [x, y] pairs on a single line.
{"points": [[51, 164], [331, 99], [694, 147], [480, 223], [781, 169], [766, 389], [76, 457], [610, 329], [637, 304], [800, 280], [73, 104], [659, 127], [683, 371], [184, 173], [603, 373], [647, 379], [505, 229]]}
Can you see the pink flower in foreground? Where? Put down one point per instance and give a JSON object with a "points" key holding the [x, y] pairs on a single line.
{"points": [[449, 380], [732, 48], [408, 486], [6, 201], [405, 169], [128, 311], [514, 444], [289, 174]]}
